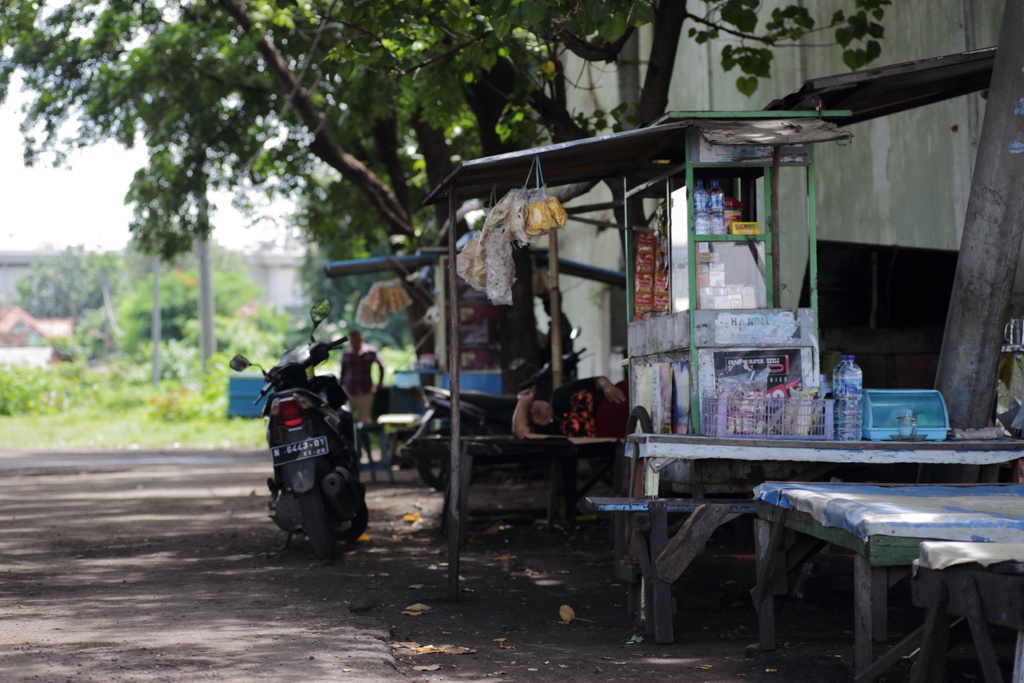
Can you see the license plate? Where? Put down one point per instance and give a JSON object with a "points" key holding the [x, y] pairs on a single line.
{"points": [[307, 448]]}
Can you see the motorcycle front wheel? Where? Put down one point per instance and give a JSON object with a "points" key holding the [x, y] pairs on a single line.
{"points": [[316, 526], [433, 470]]}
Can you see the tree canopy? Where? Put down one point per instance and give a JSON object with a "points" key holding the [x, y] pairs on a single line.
{"points": [[357, 106]]}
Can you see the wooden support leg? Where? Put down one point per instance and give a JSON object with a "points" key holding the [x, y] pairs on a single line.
{"points": [[862, 601], [980, 633], [764, 600], [932, 658], [661, 592], [879, 604], [1018, 660]]}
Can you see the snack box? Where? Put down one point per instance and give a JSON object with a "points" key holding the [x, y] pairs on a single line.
{"points": [[744, 228]]}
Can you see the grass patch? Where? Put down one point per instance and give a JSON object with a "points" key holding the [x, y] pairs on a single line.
{"points": [[128, 428]]}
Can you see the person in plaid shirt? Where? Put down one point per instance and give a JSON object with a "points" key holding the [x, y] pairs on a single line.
{"points": [[357, 377]]}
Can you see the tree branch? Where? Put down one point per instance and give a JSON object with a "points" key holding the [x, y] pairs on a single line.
{"points": [[324, 145]]}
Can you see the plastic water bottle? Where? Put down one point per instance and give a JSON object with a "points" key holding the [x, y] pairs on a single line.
{"points": [[847, 387], [701, 219], [716, 209]]}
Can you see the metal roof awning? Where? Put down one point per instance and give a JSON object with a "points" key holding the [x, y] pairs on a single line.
{"points": [[561, 163], [613, 155], [871, 93], [406, 264]]}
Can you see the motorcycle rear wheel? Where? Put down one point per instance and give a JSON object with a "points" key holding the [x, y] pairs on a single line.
{"points": [[359, 524], [316, 526]]}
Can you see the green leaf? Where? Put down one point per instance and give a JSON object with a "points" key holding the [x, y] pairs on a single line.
{"points": [[501, 25], [747, 85]]}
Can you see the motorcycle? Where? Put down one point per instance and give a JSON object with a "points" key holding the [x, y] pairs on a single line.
{"points": [[315, 489], [480, 414]]}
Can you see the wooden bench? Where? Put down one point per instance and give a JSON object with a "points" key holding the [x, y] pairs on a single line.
{"points": [[982, 583], [653, 562]]}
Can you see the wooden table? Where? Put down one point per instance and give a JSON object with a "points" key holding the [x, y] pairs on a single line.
{"points": [[649, 564], [884, 526], [562, 454]]}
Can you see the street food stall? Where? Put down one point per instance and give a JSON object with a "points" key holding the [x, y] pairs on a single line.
{"points": [[725, 382]]}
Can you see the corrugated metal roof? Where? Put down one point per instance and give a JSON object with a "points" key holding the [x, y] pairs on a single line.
{"points": [[871, 93], [619, 153]]}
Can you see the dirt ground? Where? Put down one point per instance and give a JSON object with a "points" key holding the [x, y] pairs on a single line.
{"points": [[164, 567]]}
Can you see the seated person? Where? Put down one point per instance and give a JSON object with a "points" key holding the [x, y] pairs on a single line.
{"points": [[572, 411]]}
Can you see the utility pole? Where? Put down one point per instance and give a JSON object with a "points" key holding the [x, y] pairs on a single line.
{"points": [[207, 342], [155, 329], [991, 240]]}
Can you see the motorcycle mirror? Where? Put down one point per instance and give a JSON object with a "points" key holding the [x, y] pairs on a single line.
{"points": [[319, 311], [239, 363], [516, 364]]}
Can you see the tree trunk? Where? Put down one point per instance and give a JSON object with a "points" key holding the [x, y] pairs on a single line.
{"points": [[990, 245]]}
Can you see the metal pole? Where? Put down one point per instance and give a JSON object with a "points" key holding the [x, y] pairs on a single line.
{"points": [[454, 465], [991, 240], [555, 326]]}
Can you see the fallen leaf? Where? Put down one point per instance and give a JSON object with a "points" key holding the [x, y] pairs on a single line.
{"points": [[364, 538], [567, 614], [416, 586], [493, 530], [416, 610], [505, 558], [414, 517], [705, 667], [429, 667]]}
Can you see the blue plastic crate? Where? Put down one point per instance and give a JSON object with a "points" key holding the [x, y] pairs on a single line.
{"points": [[883, 406], [242, 391]]}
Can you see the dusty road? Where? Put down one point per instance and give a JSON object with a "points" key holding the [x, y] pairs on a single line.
{"points": [[164, 567]]}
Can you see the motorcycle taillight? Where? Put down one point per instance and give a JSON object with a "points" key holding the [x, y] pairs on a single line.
{"points": [[288, 411]]}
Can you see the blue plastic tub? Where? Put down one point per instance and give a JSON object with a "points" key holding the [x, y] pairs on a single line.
{"points": [[883, 406]]}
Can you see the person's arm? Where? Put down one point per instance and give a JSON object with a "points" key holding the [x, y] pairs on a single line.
{"points": [[380, 366], [611, 392], [521, 417]]}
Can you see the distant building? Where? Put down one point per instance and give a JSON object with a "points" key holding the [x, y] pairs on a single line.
{"points": [[25, 339], [15, 265]]}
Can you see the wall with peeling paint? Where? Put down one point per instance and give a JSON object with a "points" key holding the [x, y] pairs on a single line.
{"points": [[904, 179]]}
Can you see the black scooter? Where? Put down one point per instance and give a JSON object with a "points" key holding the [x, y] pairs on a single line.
{"points": [[480, 414], [315, 489]]}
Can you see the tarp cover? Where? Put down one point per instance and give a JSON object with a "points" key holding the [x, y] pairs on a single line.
{"points": [[992, 513], [942, 554]]}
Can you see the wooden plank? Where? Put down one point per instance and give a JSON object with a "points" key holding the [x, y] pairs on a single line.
{"points": [[624, 504], [879, 604], [689, 541], [894, 654]]}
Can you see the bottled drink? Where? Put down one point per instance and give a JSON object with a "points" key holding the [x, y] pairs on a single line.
{"points": [[701, 220], [716, 209], [847, 387]]}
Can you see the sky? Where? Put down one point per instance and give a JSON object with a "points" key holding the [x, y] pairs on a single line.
{"points": [[82, 202]]}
